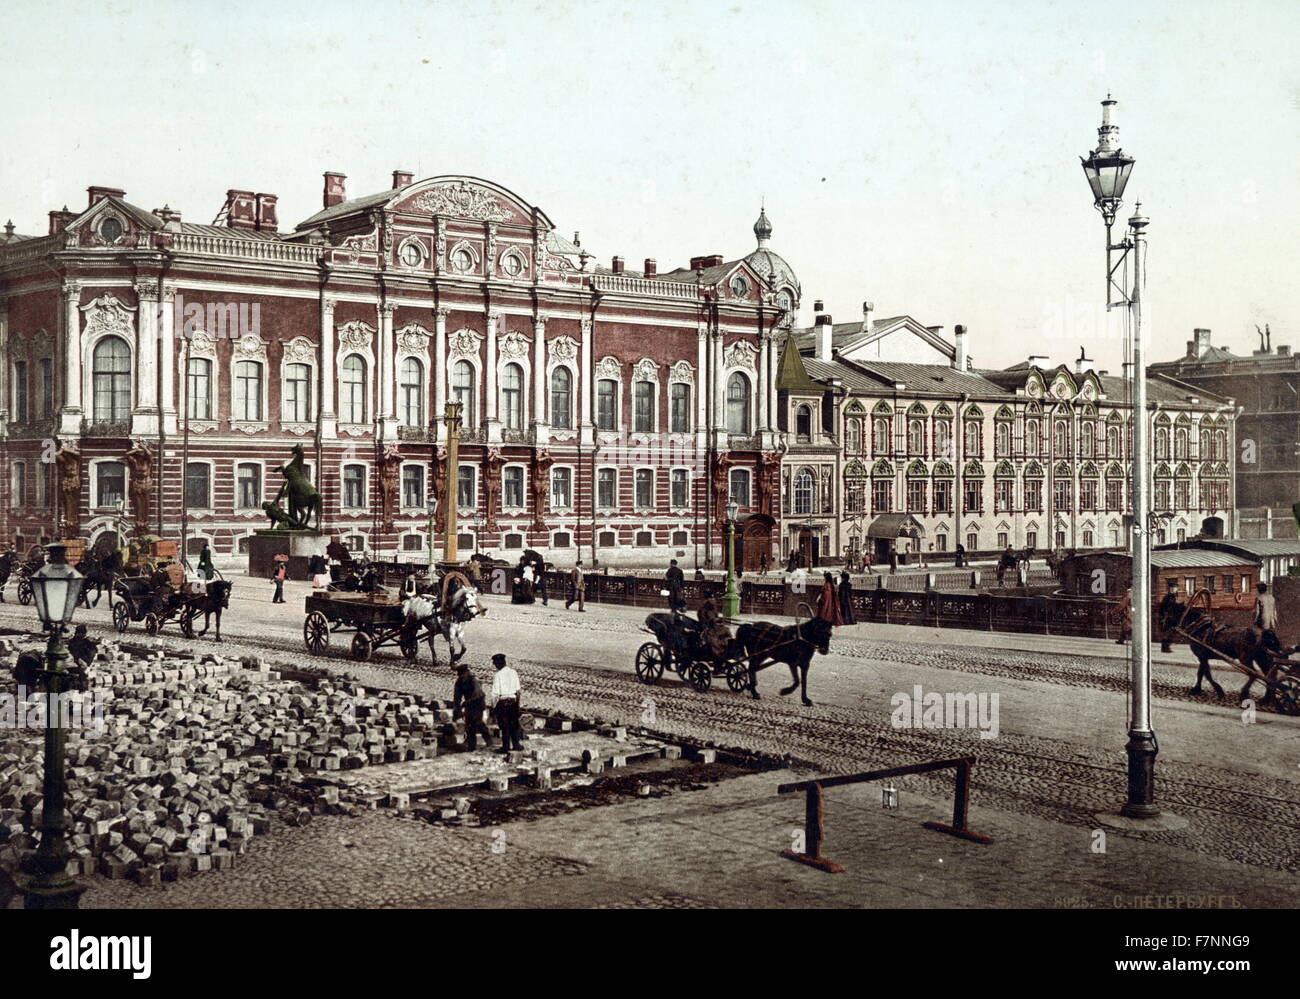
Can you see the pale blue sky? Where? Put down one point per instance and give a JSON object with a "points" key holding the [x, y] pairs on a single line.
{"points": [[922, 155]]}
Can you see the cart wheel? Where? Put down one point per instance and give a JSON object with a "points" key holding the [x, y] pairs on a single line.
{"points": [[362, 646], [701, 675], [151, 624], [410, 646], [187, 622], [121, 617], [1287, 693], [737, 675], [24, 592], [650, 662], [316, 633]]}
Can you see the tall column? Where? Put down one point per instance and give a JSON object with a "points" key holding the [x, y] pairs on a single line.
{"points": [[701, 387], [167, 358], [719, 388], [760, 384], [439, 371], [328, 374], [144, 415], [70, 417], [586, 432], [387, 375], [540, 386], [4, 367], [490, 379]]}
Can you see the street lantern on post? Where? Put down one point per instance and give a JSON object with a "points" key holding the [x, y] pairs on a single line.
{"points": [[1108, 169], [56, 588], [730, 598], [451, 489]]}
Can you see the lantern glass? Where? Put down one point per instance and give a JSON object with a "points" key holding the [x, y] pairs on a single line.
{"points": [[1107, 176], [733, 510], [55, 589]]}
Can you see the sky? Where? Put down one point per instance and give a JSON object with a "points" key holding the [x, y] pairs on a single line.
{"points": [[921, 155]]}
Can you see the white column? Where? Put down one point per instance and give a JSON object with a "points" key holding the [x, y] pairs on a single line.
{"points": [[490, 379], [70, 417], [439, 371], [719, 388], [144, 414], [540, 386], [760, 384], [701, 387], [167, 358], [586, 432], [387, 375], [4, 366], [329, 373]]}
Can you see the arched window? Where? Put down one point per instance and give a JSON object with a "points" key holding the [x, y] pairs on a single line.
{"points": [[1087, 438], [737, 404], [1162, 442], [739, 492], [1061, 438], [803, 424], [853, 436], [561, 399], [512, 397], [352, 390], [607, 404], [1180, 443], [463, 392], [1220, 445], [412, 401], [1031, 437], [1002, 438], [943, 439], [915, 436], [880, 436], [200, 388], [1207, 448], [974, 438], [112, 380], [679, 416], [248, 390], [643, 413], [803, 491], [1112, 442], [297, 394]]}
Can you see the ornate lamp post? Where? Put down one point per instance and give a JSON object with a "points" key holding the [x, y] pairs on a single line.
{"points": [[1107, 169], [730, 598], [451, 491], [56, 586]]}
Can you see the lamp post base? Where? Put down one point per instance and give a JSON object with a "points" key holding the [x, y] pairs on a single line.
{"points": [[1142, 750], [57, 892]]}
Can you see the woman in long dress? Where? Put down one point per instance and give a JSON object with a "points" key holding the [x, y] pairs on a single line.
{"points": [[846, 599], [828, 604]]}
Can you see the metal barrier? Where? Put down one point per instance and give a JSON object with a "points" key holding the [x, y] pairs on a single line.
{"points": [[815, 814]]}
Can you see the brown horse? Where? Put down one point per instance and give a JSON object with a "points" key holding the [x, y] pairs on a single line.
{"points": [[1210, 640], [766, 643]]}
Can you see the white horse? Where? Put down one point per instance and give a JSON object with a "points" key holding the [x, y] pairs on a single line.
{"points": [[462, 607]]}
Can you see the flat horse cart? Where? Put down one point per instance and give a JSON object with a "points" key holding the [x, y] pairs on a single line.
{"points": [[1282, 678], [375, 621], [681, 645]]}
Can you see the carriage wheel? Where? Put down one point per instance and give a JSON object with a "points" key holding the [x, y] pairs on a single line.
{"points": [[362, 646], [737, 675], [1287, 692], [650, 662], [187, 622], [410, 646], [701, 675], [151, 624], [316, 633], [24, 592], [121, 616]]}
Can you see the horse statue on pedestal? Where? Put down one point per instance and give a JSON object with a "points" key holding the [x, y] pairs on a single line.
{"points": [[303, 499]]}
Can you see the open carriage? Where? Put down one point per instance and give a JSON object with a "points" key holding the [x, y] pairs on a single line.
{"points": [[681, 644], [164, 595], [375, 620], [34, 560]]}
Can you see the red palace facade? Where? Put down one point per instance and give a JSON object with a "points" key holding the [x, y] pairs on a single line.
{"points": [[157, 372]]}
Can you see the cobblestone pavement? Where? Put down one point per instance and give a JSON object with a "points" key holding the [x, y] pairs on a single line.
{"points": [[1058, 757]]}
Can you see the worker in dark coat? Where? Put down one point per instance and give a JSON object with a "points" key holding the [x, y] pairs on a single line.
{"points": [[81, 647], [470, 698], [1170, 613], [846, 598], [673, 582]]}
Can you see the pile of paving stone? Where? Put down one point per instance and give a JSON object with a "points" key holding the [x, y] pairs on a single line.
{"points": [[192, 761]]}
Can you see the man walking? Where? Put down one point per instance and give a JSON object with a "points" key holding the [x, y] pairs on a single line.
{"points": [[673, 582], [578, 587], [505, 704], [541, 587], [469, 693], [1169, 615], [1266, 615], [278, 579]]}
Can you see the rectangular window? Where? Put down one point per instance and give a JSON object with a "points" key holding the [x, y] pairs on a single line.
{"points": [[606, 488], [943, 495], [1088, 495], [1003, 495], [412, 486], [512, 486], [680, 419], [1031, 539], [466, 482], [972, 541], [354, 486], [740, 486], [200, 388], [47, 386], [643, 417], [972, 496], [20, 391], [607, 404], [19, 483], [855, 496], [1002, 539], [297, 393], [1063, 494], [1115, 495], [941, 542], [680, 489], [198, 486], [561, 488], [1087, 539], [1033, 494], [916, 495], [882, 496], [248, 485], [248, 391], [645, 488]]}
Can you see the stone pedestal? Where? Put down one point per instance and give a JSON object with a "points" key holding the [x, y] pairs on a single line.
{"points": [[300, 546]]}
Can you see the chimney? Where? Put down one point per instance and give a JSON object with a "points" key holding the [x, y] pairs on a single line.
{"points": [[713, 260], [959, 347], [576, 241], [825, 328], [818, 306], [651, 267], [867, 309], [240, 210], [335, 190], [1283, 350], [1200, 343], [59, 220], [401, 178], [266, 220], [616, 265], [98, 194], [1268, 339], [1082, 363], [1035, 358], [9, 230]]}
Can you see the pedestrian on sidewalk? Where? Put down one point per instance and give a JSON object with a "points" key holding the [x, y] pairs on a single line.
{"points": [[1266, 616], [846, 598], [470, 698], [541, 587], [893, 559], [828, 604], [505, 704], [673, 583], [762, 564], [206, 569], [577, 587], [278, 579], [1170, 607], [1124, 611]]}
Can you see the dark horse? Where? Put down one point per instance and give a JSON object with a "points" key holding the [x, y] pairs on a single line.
{"points": [[766, 643], [99, 575], [682, 637], [1210, 640], [6, 570], [214, 601]]}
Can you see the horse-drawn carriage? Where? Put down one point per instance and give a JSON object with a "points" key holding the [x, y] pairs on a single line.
{"points": [[26, 569], [166, 595]]}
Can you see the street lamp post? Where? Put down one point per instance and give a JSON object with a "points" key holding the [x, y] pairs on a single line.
{"points": [[56, 587], [730, 598], [1107, 169], [451, 490]]}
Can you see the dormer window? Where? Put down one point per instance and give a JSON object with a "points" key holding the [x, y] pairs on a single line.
{"points": [[110, 230], [803, 424], [739, 286]]}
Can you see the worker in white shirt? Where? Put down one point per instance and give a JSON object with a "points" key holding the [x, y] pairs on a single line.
{"points": [[505, 704]]}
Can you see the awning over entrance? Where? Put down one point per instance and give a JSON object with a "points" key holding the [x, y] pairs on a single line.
{"points": [[895, 525]]}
